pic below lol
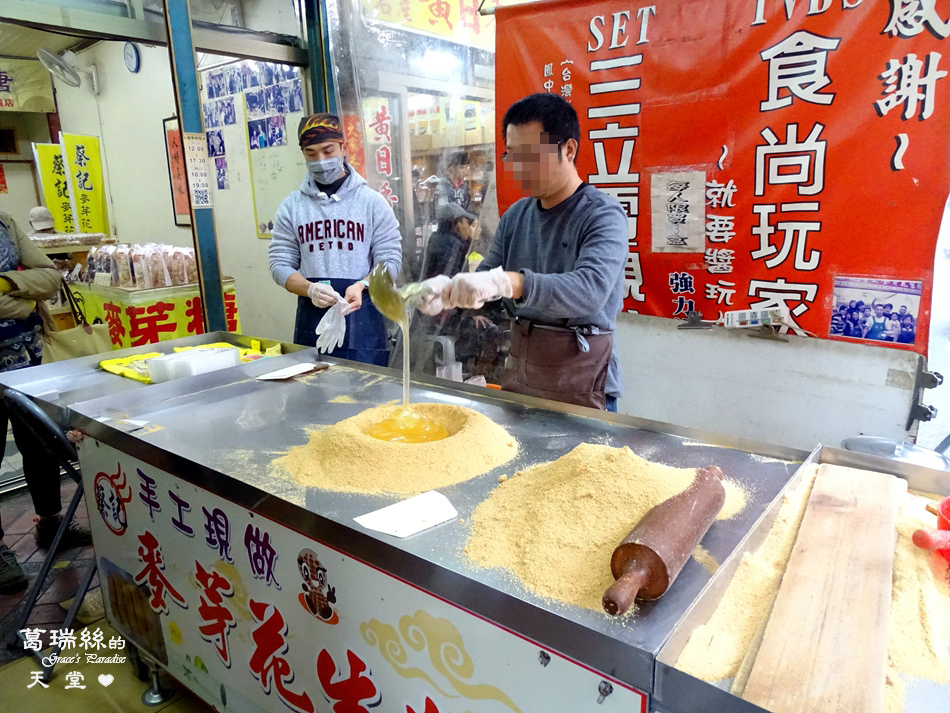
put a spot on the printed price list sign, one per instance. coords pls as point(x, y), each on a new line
point(196, 163)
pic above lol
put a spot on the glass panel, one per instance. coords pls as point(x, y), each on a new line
point(416, 89)
point(273, 16)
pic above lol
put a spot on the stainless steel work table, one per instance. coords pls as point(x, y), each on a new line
point(220, 431)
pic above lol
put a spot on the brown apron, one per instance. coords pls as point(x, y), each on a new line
point(548, 362)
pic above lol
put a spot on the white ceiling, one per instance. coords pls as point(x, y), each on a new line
point(23, 42)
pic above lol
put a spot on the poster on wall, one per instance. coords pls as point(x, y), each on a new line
point(196, 167)
point(176, 171)
point(221, 169)
point(273, 107)
point(215, 143)
point(679, 211)
point(813, 127)
point(87, 190)
point(3, 181)
point(55, 186)
point(228, 116)
point(875, 309)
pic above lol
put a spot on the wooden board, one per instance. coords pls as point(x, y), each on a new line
point(825, 646)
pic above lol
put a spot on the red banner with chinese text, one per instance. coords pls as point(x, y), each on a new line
point(768, 153)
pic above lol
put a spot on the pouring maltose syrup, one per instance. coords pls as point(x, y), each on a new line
point(404, 425)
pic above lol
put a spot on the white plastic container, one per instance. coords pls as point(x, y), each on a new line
point(191, 363)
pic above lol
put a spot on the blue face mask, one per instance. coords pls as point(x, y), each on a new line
point(325, 171)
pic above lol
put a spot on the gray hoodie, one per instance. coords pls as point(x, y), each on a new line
point(339, 236)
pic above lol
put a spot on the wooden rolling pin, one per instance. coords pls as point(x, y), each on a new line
point(932, 539)
point(652, 555)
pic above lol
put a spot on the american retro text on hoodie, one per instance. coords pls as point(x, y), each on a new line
point(334, 236)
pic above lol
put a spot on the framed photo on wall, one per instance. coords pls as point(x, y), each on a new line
point(177, 176)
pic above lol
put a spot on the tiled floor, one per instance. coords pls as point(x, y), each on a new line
point(125, 690)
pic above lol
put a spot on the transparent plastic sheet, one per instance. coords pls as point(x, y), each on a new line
point(423, 105)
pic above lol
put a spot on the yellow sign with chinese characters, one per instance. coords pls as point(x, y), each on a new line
point(457, 20)
point(25, 85)
point(139, 317)
point(55, 185)
point(86, 187)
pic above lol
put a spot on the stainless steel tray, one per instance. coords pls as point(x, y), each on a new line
point(221, 430)
point(679, 692)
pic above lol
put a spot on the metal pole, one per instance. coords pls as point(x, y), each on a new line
point(181, 51)
point(318, 48)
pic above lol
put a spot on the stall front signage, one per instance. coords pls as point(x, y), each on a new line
point(457, 20)
point(55, 184)
point(253, 616)
point(142, 319)
point(25, 85)
point(814, 135)
point(378, 147)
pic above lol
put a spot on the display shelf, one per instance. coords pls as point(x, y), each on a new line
point(70, 249)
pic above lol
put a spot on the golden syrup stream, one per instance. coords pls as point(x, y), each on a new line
point(404, 425)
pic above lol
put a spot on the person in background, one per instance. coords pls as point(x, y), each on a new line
point(41, 220)
point(838, 319)
point(908, 330)
point(875, 326)
point(449, 246)
point(857, 323)
point(327, 236)
point(27, 276)
point(893, 329)
point(558, 257)
point(453, 186)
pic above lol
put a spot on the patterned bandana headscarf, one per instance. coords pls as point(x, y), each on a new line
point(319, 128)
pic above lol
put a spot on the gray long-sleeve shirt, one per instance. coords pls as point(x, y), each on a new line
point(572, 257)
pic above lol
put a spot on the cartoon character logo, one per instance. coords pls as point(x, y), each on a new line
point(110, 499)
point(317, 596)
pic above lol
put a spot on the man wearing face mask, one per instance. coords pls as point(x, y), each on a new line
point(327, 236)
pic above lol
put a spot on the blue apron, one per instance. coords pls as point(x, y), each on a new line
point(877, 329)
point(366, 338)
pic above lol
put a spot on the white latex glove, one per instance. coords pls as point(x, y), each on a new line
point(332, 327)
point(470, 290)
point(434, 301)
point(322, 295)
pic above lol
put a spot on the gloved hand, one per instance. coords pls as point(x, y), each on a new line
point(436, 293)
point(322, 295)
point(471, 290)
point(332, 327)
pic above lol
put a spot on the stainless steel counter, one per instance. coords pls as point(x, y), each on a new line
point(220, 431)
point(676, 691)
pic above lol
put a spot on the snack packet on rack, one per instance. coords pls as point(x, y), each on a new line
point(105, 263)
point(122, 267)
point(156, 266)
point(191, 266)
point(141, 273)
point(90, 272)
point(177, 267)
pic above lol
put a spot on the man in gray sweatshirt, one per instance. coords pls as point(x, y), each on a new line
point(326, 238)
point(558, 257)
